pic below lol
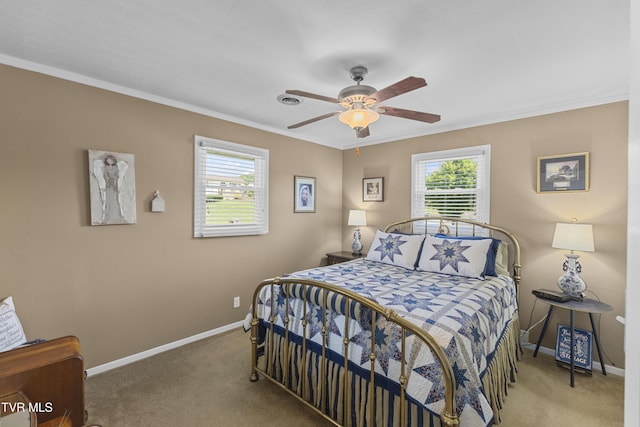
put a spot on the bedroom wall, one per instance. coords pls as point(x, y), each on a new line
point(123, 289)
point(515, 145)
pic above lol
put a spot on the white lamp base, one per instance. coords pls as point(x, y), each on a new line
point(570, 282)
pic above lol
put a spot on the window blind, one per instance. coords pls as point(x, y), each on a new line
point(453, 183)
point(231, 189)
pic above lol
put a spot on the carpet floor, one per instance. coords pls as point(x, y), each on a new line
point(206, 383)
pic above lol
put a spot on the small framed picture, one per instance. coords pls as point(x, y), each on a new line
point(567, 172)
point(304, 194)
point(372, 189)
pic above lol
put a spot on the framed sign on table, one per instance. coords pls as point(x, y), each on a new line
point(582, 347)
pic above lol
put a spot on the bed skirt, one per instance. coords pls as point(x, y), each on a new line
point(287, 370)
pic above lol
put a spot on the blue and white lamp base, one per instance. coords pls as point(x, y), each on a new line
point(356, 246)
point(570, 282)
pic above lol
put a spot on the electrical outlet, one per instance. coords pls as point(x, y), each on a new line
point(236, 302)
point(524, 337)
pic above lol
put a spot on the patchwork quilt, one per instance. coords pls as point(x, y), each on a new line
point(466, 316)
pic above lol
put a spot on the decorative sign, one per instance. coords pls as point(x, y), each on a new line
point(582, 347)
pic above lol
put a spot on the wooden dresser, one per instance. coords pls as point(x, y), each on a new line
point(51, 376)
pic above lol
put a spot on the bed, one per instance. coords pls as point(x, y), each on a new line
point(423, 331)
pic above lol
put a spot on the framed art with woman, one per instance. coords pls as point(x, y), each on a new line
point(304, 194)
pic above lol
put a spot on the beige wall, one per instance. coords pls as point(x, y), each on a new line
point(515, 145)
point(123, 289)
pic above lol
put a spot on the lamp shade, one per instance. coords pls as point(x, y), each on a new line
point(575, 237)
point(357, 217)
point(359, 117)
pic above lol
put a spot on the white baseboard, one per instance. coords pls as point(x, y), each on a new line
point(596, 365)
point(157, 350)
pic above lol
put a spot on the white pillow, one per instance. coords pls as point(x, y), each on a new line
point(11, 333)
point(454, 256)
point(395, 249)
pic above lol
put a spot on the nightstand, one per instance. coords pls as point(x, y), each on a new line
point(342, 256)
point(585, 305)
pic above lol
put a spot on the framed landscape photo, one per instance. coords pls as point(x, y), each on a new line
point(567, 172)
point(372, 189)
point(304, 194)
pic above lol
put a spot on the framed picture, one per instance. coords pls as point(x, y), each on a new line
point(372, 189)
point(112, 187)
point(304, 194)
point(567, 172)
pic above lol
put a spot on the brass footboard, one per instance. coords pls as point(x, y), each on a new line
point(449, 415)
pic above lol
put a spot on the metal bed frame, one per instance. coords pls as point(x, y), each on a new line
point(449, 418)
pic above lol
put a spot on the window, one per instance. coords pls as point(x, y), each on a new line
point(231, 189)
point(453, 183)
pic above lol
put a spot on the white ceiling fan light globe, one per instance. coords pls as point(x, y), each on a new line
point(358, 117)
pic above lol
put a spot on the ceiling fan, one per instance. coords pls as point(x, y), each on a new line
point(361, 102)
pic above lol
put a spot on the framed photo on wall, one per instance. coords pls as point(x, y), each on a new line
point(304, 194)
point(112, 187)
point(567, 172)
point(373, 189)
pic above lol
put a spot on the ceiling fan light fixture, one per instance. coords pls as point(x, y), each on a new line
point(361, 103)
point(358, 117)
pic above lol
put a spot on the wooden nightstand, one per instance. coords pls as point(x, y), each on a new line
point(342, 256)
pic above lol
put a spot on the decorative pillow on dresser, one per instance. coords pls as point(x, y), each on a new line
point(454, 256)
point(395, 249)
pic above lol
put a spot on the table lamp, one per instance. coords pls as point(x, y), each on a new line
point(357, 218)
point(574, 237)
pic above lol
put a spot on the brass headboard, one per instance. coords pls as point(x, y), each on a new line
point(463, 227)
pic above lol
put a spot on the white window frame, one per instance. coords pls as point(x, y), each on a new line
point(261, 188)
point(483, 189)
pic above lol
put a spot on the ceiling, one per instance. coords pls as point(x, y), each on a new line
point(484, 62)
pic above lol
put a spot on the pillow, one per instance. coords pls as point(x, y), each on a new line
point(395, 249)
point(490, 266)
point(502, 260)
point(454, 256)
point(11, 333)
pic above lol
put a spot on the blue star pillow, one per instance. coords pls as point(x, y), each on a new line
point(492, 253)
point(395, 249)
point(454, 256)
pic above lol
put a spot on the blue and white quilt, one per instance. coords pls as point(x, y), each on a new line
point(466, 316)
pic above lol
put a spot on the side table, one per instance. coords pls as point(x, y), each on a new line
point(342, 256)
point(585, 305)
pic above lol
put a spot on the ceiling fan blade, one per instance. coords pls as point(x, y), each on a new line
point(363, 132)
point(403, 86)
point(408, 114)
point(315, 119)
point(311, 95)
